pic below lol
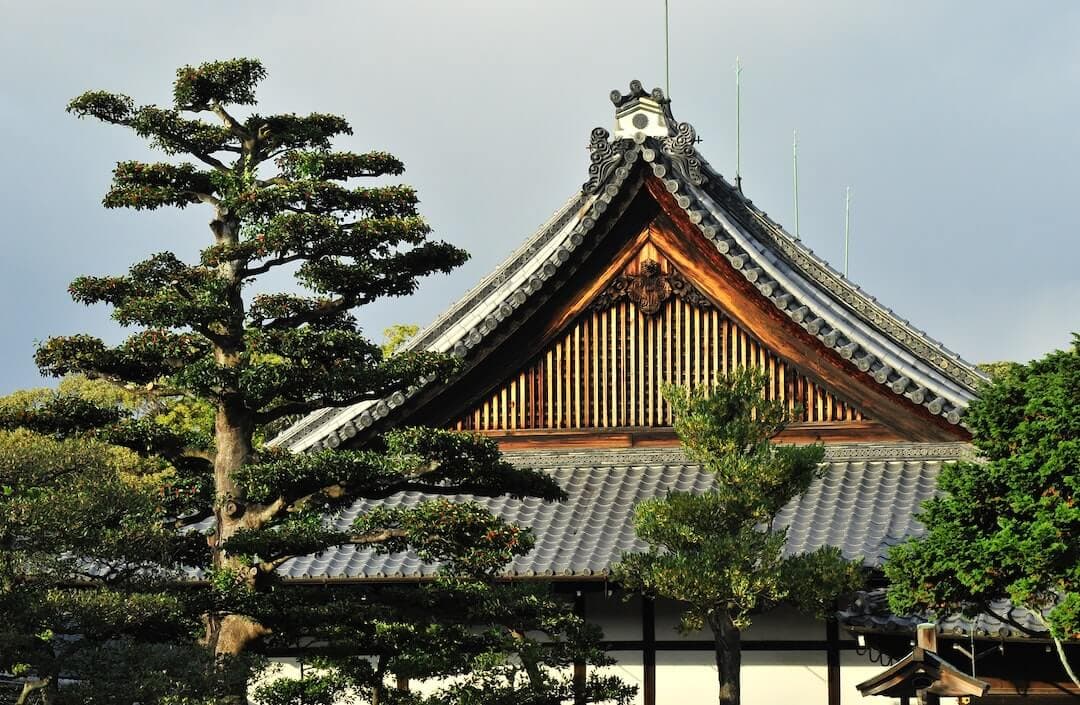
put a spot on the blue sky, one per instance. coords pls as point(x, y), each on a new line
point(954, 123)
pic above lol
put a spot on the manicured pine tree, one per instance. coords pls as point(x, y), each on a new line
point(718, 552)
point(280, 197)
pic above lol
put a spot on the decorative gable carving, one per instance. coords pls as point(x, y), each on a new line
point(649, 290)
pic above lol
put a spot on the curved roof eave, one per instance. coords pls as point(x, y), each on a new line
point(855, 326)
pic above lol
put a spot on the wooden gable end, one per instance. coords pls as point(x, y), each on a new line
point(649, 326)
point(594, 366)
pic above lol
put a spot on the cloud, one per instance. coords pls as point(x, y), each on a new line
point(953, 121)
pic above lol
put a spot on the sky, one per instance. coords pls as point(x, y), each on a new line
point(953, 123)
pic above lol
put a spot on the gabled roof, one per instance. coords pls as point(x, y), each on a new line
point(863, 505)
point(923, 671)
point(844, 318)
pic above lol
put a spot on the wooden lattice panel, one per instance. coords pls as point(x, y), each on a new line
point(607, 369)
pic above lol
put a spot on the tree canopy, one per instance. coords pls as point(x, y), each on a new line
point(86, 566)
point(1008, 525)
point(718, 552)
point(215, 364)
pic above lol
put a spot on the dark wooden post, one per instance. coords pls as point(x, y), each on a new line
point(832, 658)
point(579, 665)
point(648, 650)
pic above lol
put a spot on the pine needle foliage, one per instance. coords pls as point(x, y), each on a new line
point(718, 553)
point(219, 364)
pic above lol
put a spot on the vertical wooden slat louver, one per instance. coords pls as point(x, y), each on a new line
point(608, 370)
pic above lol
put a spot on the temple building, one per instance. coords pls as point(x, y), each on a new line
point(658, 270)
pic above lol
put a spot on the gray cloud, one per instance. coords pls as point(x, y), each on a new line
point(954, 123)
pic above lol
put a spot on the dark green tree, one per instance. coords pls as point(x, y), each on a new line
point(82, 564)
point(280, 197)
point(719, 552)
point(1007, 526)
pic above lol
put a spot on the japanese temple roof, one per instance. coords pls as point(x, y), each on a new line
point(870, 613)
point(863, 505)
point(649, 144)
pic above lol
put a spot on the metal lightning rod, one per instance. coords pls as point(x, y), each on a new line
point(738, 125)
point(667, 53)
point(847, 227)
point(795, 175)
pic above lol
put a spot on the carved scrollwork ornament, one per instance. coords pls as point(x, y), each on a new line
point(686, 291)
point(649, 289)
point(604, 158)
point(680, 150)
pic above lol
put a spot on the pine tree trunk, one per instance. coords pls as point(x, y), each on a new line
point(728, 644)
point(229, 635)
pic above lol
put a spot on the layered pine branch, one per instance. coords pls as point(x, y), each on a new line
point(228, 509)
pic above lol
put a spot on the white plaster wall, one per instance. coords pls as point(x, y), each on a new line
point(689, 677)
point(855, 669)
point(667, 622)
point(768, 678)
point(785, 623)
point(780, 678)
point(279, 668)
point(686, 677)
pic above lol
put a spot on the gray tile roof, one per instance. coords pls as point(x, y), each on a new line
point(870, 613)
point(863, 505)
point(830, 307)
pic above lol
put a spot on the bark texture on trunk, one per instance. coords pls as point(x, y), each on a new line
point(231, 635)
point(727, 640)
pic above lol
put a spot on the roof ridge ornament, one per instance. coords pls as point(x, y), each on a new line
point(637, 91)
point(640, 115)
point(680, 150)
point(604, 158)
point(642, 112)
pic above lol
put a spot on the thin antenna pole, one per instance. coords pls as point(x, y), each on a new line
point(738, 125)
point(847, 227)
point(667, 53)
point(795, 175)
